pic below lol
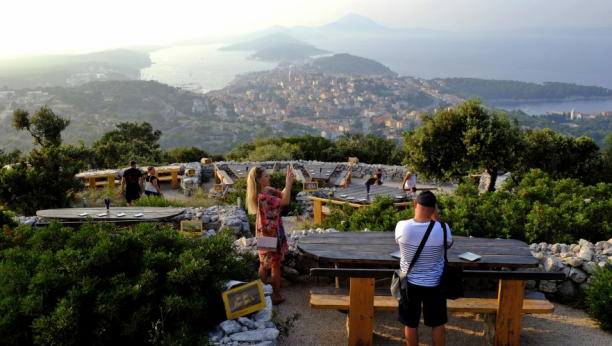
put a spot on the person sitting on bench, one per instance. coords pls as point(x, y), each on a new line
point(424, 277)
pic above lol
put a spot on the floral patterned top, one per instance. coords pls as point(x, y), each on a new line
point(270, 222)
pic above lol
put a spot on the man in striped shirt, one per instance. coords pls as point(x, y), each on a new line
point(424, 278)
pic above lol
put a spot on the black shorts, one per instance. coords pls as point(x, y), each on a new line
point(132, 195)
point(434, 307)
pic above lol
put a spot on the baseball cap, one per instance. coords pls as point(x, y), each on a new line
point(426, 199)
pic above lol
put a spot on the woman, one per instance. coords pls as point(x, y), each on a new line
point(409, 182)
point(151, 185)
point(266, 203)
point(379, 177)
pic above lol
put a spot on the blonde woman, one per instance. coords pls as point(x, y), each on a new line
point(266, 203)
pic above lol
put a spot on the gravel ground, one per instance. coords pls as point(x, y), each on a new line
point(566, 326)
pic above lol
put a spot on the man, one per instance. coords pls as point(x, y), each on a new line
point(424, 278)
point(131, 183)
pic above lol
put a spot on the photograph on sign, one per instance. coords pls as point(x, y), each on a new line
point(244, 300)
point(310, 186)
point(218, 187)
point(192, 228)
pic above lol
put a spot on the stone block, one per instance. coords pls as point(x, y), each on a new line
point(585, 253)
point(566, 289)
point(230, 327)
point(552, 264)
point(530, 284)
point(589, 267)
point(578, 275)
point(547, 286)
point(264, 314)
point(245, 322)
point(258, 335)
point(289, 273)
point(304, 263)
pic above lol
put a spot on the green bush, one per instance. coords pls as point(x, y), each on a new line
point(48, 183)
point(599, 298)
point(381, 215)
point(157, 201)
point(538, 209)
point(100, 285)
point(185, 154)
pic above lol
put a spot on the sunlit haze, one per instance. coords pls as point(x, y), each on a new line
point(73, 25)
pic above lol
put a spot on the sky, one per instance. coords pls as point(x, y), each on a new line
point(35, 26)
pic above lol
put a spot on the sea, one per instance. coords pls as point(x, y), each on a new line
point(568, 59)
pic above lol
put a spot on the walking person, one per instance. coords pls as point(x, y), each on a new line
point(131, 184)
point(424, 277)
point(266, 203)
point(152, 183)
point(379, 177)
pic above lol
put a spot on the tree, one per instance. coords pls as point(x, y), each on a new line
point(130, 141)
point(454, 142)
point(45, 126)
point(12, 157)
point(185, 154)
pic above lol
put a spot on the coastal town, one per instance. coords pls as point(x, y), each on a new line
point(330, 105)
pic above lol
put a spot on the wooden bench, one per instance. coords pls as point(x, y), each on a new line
point(221, 177)
point(105, 182)
point(344, 178)
point(503, 310)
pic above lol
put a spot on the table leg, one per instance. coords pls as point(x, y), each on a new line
point(111, 181)
point(318, 211)
point(360, 322)
point(174, 180)
point(92, 183)
point(337, 265)
point(509, 312)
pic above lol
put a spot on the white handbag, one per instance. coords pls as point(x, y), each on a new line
point(265, 243)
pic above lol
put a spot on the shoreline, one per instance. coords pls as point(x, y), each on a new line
point(574, 98)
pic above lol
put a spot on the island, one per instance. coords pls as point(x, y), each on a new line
point(352, 65)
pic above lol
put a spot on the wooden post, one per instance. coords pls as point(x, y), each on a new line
point(92, 183)
point(489, 328)
point(175, 184)
point(318, 211)
point(337, 265)
point(361, 312)
point(111, 181)
point(509, 312)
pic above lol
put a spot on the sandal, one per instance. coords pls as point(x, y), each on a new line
point(278, 301)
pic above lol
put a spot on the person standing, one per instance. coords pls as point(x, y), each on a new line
point(266, 203)
point(131, 183)
point(152, 183)
point(424, 277)
point(379, 177)
point(409, 181)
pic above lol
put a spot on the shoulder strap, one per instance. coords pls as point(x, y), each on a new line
point(421, 246)
point(444, 230)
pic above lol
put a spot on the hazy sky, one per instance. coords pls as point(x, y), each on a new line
point(51, 26)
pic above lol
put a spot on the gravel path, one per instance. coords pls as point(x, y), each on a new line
point(566, 326)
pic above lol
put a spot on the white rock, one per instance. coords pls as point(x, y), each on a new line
point(264, 314)
point(258, 335)
point(583, 243)
point(585, 253)
point(547, 286)
point(230, 327)
point(589, 267)
point(212, 232)
point(245, 322)
point(578, 275)
point(552, 264)
point(245, 241)
point(366, 230)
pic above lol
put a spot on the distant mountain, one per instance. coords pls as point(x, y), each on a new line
point(354, 21)
point(287, 52)
point(352, 65)
point(268, 41)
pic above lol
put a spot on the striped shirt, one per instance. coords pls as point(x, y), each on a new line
point(429, 266)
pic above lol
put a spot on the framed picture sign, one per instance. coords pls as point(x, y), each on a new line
point(311, 186)
point(218, 187)
point(192, 228)
point(244, 300)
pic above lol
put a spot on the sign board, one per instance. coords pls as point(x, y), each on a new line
point(353, 160)
point(192, 228)
point(244, 300)
point(311, 186)
point(190, 172)
point(206, 161)
point(218, 187)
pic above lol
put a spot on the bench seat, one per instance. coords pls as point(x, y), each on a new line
point(325, 298)
point(342, 180)
point(102, 183)
point(224, 177)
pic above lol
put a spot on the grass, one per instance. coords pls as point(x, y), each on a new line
point(95, 199)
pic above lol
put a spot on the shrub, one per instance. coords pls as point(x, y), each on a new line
point(101, 285)
point(381, 215)
point(205, 178)
point(599, 298)
point(48, 183)
point(185, 154)
point(273, 152)
point(538, 209)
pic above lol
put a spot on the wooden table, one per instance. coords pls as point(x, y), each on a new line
point(374, 248)
point(90, 178)
point(320, 172)
point(153, 214)
point(359, 193)
point(166, 173)
point(240, 170)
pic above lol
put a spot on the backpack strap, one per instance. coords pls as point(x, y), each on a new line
point(445, 246)
point(422, 245)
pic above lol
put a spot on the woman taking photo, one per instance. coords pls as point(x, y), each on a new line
point(266, 203)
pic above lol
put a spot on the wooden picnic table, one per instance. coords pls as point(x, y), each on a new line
point(152, 214)
point(90, 178)
point(375, 248)
point(358, 193)
point(320, 172)
point(166, 173)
